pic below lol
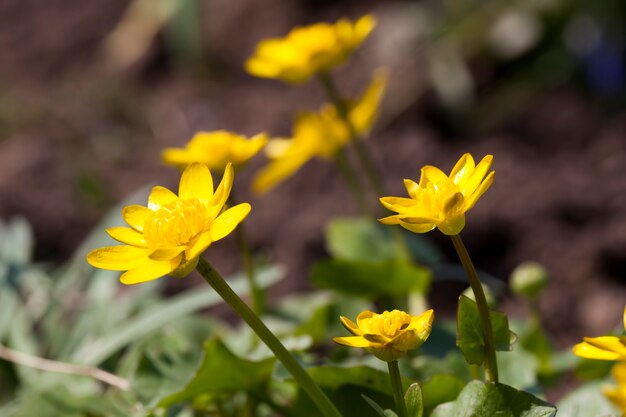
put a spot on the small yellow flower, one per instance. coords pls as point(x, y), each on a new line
point(617, 394)
point(169, 235)
point(215, 150)
point(388, 335)
point(319, 135)
point(441, 200)
point(610, 348)
point(306, 51)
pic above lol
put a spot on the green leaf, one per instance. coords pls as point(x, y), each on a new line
point(94, 351)
point(345, 387)
point(370, 279)
point(479, 399)
point(470, 338)
point(439, 389)
point(518, 369)
point(366, 239)
point(586, 401)
point(414, 400)
point(222, 372)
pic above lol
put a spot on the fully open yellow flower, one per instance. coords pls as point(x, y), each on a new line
point(169, 235)
point(319, 135)
point(308, 50)
point(617, 394)
point(441, 200)
point(388, 335)
point(215, 150)
point(610, 348)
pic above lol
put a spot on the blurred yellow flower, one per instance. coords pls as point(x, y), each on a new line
point(610, 348)
point(215, 150)
point(617, 394)
point(388, 335)
point(169, 235)
point(308, 50)
point(319, 135)
point(440, 200)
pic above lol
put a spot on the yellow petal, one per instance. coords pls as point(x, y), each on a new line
point(610, 343)
point(363, 27)
point(362, 320)
point(364, 112)
point(277, 171)
point(400, 204)
point(175, 156)
point(198, 246)
point(624, 318)
point(586, 350)
point(196, 182)
point(352, 341)
point(418, 228)
point(453, 205)
point(422, 324)
point(228, 220)
point(159, 197)
point(136, 216)
point(484, 186)
point(462, 169)
point(350, 326)
point(411, 187)
point(223, 189)
point(127, 235)
point(473, 181)
point(117, 258)
point(167, 254)
point(434, 175)
point(146, 271)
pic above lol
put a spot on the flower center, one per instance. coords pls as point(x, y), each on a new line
point(175, 224)
point(389, 323)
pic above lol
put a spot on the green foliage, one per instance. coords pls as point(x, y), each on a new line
point(480, 399)
point(470, 337)
point(414, 399)
point(366, 239)
point(221, 372)
point(369, 279)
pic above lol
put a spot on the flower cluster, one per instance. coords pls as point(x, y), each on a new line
point(168, 235)
point(389, 335)
point(309, 50)
point(441, 200)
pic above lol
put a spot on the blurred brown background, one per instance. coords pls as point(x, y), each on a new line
point(91, 91)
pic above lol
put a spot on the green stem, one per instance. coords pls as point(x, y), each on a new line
point(351, 179)
point(257, 293)
point(396, 386)
point(491, 366)
point(214, 279)
point(365, 159)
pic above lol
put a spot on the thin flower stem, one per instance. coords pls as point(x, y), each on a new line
point(352, 180)
point(36, 362)
point(491, 366)
point(396, 386)
point(257, 293)
point(215, 280)
point(363, 154)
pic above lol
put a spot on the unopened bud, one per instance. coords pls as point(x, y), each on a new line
point(529, 279)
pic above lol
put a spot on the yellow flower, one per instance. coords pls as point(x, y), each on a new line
point(319, 135)
point(617, 395)
point(441, 200)
point(169, 235)
point(610, 348)
point(215, 149)
point(308, 50)
point(388, 335)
